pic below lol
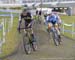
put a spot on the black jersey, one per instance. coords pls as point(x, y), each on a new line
point(27, 17)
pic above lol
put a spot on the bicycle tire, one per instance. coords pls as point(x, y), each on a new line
point(26, 45)
point(55, 37)
point(34, 46)
point(33, 43)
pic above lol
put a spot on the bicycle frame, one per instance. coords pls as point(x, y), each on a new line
point(55, 35)
point(27, 41)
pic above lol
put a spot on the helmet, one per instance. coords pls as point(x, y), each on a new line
point(26, 10)
point(48, 12)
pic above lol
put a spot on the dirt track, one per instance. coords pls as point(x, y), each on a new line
point(46, 49)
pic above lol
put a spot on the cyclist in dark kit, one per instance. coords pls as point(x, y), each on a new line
point(28, 21)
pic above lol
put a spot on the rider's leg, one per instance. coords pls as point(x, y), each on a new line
point(33, 36)
point(57, 28)
point(33, 41)
point(49, 26)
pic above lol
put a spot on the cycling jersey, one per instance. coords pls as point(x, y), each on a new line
point(28, 19)
point(52, 19)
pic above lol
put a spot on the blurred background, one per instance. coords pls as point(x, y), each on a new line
point(64, 6)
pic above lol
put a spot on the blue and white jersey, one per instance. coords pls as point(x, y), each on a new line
point(51, 18)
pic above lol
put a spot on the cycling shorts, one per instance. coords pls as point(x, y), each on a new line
point(53, 22)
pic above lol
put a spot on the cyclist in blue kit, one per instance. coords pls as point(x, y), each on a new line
point(53, 19)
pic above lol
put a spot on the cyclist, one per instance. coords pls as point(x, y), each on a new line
point(53, 19)
point(36, 16)
point(36, 12)
point(28, 21)
point(40, 13)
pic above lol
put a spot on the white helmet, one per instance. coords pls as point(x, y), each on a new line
point(48, 12)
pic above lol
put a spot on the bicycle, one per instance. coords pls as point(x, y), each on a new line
point(55, 36)
point(28, 42)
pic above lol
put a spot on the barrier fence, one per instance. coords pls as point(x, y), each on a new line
point(5, 26)
point(2, 39)
point(71, 30)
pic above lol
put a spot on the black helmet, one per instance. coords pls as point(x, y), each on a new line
point(24, 10)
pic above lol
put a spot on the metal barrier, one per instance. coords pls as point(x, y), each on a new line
point(2, 40)
point(5, 27)
point(69, 31)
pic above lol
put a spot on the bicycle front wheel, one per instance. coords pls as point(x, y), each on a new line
point(26, 44)
point(55, 37)
point(34, 46)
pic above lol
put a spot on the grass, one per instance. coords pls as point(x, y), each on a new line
point(11, 40)
point(69, 20)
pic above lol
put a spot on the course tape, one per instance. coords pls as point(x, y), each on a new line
point(8, 14)
point(15, 11)
point(5, 15)
point(5, 10)
point(69, 31)
point(67, 24)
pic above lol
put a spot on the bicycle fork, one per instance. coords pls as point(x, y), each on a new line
point(55, 37)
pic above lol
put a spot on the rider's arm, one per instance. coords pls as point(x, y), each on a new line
point(47, 18)
point(59, 20)
point(21, 17)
